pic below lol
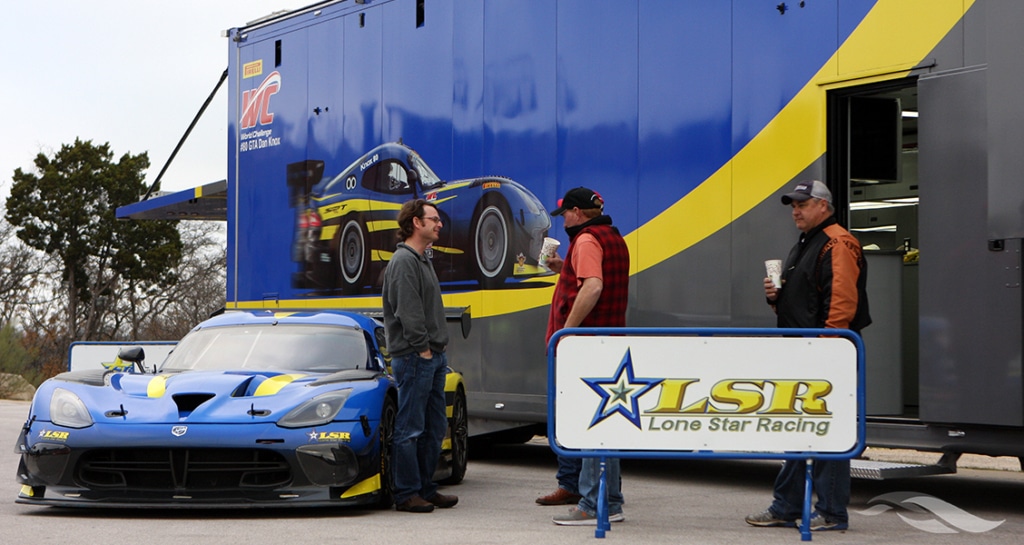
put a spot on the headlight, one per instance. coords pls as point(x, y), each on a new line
point(67, 410)
point(317, 411)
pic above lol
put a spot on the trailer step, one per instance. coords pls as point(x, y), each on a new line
point(878, 471)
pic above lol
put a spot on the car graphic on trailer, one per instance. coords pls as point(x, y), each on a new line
point(346, 226)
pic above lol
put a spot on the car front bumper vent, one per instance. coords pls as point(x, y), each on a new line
point(182, 469)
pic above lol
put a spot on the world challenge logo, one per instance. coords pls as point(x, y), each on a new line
point(256, 111)
point(745, 405)
point(256, 103)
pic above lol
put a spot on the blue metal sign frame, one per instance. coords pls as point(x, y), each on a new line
point(602, 505)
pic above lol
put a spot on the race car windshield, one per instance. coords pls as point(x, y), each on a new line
point(428, 179)
point(320, 349)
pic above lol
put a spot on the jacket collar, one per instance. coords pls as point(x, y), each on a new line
point(804, 237)
point(575, 230)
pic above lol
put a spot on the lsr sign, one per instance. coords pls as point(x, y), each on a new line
point(714, 393)
point(744, 396)
point(765, 398)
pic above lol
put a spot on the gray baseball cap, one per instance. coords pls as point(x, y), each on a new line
point(806, 190)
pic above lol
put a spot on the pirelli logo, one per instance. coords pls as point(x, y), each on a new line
point(252, 69)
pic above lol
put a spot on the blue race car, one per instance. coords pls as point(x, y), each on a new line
point(346, 225)
point(251, 409)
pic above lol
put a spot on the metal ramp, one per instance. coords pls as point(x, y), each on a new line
point(877, 470)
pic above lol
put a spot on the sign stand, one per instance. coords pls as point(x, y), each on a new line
point(805, 523)
point(649, 393)
point(603, 524)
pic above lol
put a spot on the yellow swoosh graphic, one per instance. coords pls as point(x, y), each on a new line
point(796, 136)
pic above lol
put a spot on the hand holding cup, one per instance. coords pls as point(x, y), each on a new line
point(547, 250)
point(774, 269)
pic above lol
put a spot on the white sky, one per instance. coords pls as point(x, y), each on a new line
point(129, 72)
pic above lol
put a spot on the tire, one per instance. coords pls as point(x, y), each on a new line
point(386, 435)
point(352, 254)
point(492, 244)
point(459, 431)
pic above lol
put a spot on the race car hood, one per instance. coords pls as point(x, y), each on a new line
point(232, 384)
point(207, 396)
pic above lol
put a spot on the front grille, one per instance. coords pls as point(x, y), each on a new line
point(192, 470)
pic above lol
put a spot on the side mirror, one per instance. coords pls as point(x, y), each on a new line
point(134, 354)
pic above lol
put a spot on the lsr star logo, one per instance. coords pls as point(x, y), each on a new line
point(621, 394)
point(781, 405)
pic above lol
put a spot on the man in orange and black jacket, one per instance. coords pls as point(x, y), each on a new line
point(823, 286)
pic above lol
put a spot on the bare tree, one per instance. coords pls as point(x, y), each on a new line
point(21, 269)
point(167, 312)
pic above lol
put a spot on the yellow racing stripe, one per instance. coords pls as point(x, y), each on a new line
point(273, 385)
point(157, 386)
point(381, 225)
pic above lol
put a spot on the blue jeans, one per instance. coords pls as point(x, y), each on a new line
point(569, 473)
point(831, 481)
point(590, 481)
point(420, 424)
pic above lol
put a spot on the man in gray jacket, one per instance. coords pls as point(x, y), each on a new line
point(416, 337)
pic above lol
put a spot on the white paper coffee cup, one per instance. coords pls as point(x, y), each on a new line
point(774, 269)
point(548, 249)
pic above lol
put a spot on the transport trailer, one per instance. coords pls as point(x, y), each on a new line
point(691, 119)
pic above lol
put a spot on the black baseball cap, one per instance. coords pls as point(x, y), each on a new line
point(579, 197)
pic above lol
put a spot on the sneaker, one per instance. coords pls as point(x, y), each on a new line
point(820, 524)
point(443, 501)
point(577, 517)
point(560, 496)
point(415, 504)
point(768, 519)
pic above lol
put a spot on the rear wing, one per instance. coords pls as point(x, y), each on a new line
point(86, 355)
point(460, 315)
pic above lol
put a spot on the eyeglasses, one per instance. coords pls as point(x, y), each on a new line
point(436, 219)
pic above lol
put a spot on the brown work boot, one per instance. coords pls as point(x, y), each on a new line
point(559, 497)
point(415, 504)
point(443, 501)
